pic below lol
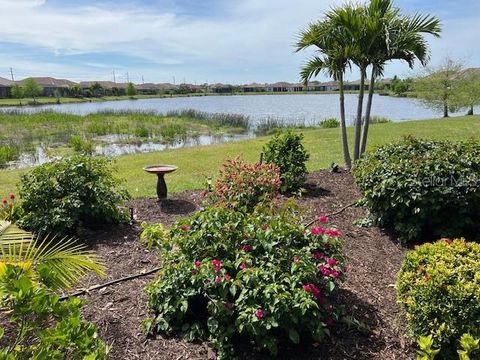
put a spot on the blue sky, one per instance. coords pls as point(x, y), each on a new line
point(236, 41)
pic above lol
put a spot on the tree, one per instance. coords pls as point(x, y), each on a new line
point(440, 87)
point(96, 88)
point(469, 89)
point(17, 92)
point(131, 91)
point(332, 47)
point(387, 35)
point(400, 86)
point(31, 88)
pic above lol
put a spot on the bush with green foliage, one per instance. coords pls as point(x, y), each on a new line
point(228, 275)
point(39, 326)
point(81, 145)
point(80, 191)
point(422, 189)
point(287, 152)
point(468, 348)
point(243, 186)
point(329, 123)
point(439, 288)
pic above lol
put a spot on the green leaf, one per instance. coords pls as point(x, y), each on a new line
point(294, 336)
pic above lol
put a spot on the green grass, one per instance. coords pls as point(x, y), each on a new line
point(196, 164)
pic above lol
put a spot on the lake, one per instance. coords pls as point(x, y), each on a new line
point(299, 108)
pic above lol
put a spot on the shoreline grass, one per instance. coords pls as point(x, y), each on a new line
point(198, 163)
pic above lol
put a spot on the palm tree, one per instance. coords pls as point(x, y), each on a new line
point(333, 59)
point(394, 37)
point(58, 263)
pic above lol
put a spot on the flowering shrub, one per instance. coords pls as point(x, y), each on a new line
point(228, 274)
point(287, 152)
point(439, 288)
point(423, 190)
point(8, 208)
point(39, 326)
point(59, 197)
point(243, 186)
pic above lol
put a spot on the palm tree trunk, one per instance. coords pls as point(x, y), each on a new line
point(358, 122)
point(366, 124)
point(343, 125)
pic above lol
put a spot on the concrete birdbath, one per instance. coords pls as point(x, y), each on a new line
point(160, 171)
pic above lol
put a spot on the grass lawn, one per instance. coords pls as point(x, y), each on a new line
point(196, 164)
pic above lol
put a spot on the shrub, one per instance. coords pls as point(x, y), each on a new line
point(468, 348)
point(439, 288)
point(287, 152)
point(228, 275)
point(423, 189)
point(8, 153)
point(78, 191)
point(39, 326)
point(81, 145)
point(9, 208)
point(243, 186)
point(329, 123)
point(379, 120)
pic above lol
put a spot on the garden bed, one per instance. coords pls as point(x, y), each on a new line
point(368, 293)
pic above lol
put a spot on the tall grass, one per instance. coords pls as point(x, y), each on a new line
point(217, 119)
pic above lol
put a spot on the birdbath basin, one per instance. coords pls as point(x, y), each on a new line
point(160, 171)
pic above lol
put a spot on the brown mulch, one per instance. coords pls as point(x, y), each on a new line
point(368, 293)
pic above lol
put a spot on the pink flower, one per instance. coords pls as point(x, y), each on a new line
point(227, 277)
point(197, 263)
point(317, 231)
point(333, 232)
point(324, 270)
point(313, 289)
point(323, 219)
point(259, 313)
point(217, 265)
point(318, 255)
point(296, 258)
point(243, 266)
point(218, 279)
point(246, 248)
point(332, 262)
point(185, 227)
point(346, 268)
point(335, 274)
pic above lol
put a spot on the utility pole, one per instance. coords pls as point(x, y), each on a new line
point(128, 78)
point(143, 81)
point(114, 79)
point(11, 73)
point(174, 80)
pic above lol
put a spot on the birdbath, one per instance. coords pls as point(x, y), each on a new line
point(160, 171)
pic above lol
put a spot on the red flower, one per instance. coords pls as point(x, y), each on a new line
point(185, 227)
point(335, 274)
point(333, 232)
point(318, 255)
point(324, 270)
point(5, 201)
point(246, 248)
point(265, 226)
point(217, 265)
point(218, 279)
point(332, 262)
point(259, 313)
point(12, 196)
point(197, 263)
point(313, 289)
point(318, 230)
point(243, 266)
point(323, 219)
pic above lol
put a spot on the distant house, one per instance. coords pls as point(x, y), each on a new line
point(253, 87)
point(283, 86)
point(108, 87)
point(5, 87)
point(51, 85)
point(331, 86)
point(221, 88)
point(147, 89)
point(355, 85)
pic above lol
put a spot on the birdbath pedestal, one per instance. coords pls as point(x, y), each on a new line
point(160, 171)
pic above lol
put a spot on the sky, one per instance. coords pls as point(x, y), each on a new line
point(193, 41)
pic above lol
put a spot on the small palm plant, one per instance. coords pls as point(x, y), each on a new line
point(56, 263)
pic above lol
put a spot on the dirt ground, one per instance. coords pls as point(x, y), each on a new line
point(368, 293)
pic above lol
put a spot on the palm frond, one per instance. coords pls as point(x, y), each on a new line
point(59, 262)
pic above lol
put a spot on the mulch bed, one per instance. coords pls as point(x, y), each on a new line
point(368, 293)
